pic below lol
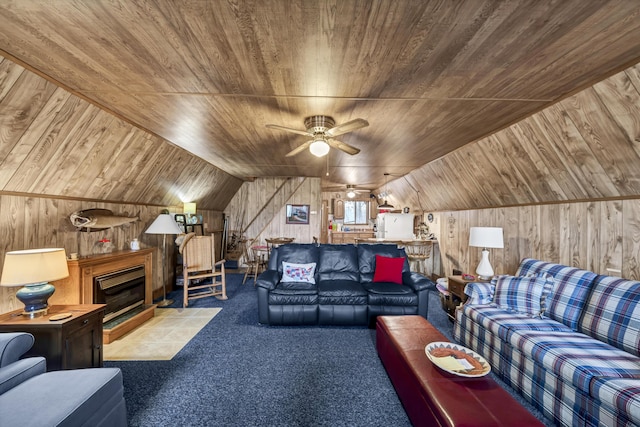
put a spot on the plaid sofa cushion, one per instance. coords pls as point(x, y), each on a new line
point(479, 293)
point(571, 289)
point(503, 322)
point(575, 357)
point(557, 399)
point(483, 293)
point(621, 395)
point(612, 313)
point(480, 339)
point(520, 294)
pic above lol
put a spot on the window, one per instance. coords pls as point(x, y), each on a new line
point(356, 212)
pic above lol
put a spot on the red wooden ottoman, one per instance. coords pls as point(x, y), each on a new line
point(432, 397)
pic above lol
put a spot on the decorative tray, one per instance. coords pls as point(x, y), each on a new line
point(456, 359)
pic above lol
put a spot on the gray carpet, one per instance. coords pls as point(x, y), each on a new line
point(236, 372)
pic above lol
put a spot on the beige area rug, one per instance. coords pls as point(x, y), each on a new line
point(161, 337)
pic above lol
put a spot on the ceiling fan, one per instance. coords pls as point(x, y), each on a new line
point(350, 190)
point(323, 129)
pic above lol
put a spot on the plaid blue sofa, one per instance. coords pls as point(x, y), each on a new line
point(577, 358)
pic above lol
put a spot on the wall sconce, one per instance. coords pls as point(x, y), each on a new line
point(485, 237)
point(34, 269)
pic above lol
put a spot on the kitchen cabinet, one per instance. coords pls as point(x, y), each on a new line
point(373, 209)
point(350, 236)
point(338, 209)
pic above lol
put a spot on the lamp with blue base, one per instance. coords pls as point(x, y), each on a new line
point(34, 269)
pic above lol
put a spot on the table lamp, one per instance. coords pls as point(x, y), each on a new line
point(33, 269)
point(164, 224)
point(485, 237)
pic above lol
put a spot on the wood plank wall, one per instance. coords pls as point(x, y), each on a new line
point(260, 206)
point(37, 222)
point(56, 144)
point(586, 147)
point(60, 154)
point(600, 236)
point(564, 184)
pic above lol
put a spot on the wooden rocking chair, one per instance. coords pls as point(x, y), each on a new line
point(200, 267)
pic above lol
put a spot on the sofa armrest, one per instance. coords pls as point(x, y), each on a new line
point(20, 371)
point(422, 286)
point(13, 345)
point(417, 281)
point(479, 293)
point(268, 279)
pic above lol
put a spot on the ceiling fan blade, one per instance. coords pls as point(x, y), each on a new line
point(347, 127)
point(299, 149)
point(343, 147)
point(298, 131)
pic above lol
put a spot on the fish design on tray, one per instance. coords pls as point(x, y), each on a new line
point(98, 219)
point(474, 366)
point(457, 359)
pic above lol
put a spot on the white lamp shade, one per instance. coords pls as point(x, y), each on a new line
point(189, 208)
point(164, 224)
point(486, 237)
point(319, 148)
point(34, 266)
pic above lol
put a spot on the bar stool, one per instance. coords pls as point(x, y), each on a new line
point(251, 261)
point(418, 251)
point(256, 257)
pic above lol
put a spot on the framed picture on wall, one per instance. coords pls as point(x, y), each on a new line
point(297, 214)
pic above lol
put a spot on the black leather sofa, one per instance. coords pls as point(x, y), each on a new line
point(344, 293)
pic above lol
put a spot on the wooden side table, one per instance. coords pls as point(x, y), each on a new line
point(71, 343)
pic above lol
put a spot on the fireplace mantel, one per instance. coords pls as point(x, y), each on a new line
point(78, 287)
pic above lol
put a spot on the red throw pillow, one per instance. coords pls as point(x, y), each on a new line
point(388, 269)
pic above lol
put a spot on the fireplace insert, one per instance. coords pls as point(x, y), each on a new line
point(122, 291)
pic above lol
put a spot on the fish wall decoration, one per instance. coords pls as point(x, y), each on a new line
point(98, 219)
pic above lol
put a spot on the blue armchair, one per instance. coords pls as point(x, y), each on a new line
point(30, 396)
point(14, 370)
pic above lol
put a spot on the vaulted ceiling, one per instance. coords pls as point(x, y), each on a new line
point(429, 76)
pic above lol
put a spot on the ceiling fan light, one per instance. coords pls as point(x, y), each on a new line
point(319, 148)
point(351, 194)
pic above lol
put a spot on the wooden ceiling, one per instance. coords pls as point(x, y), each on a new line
point(57, 145)
point(429, 76)
point(584, 148)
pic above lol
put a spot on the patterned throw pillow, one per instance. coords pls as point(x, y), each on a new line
point(298, 272)
point(549, 286)
point(520, 294)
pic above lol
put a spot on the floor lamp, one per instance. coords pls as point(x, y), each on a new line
point(164, 224)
